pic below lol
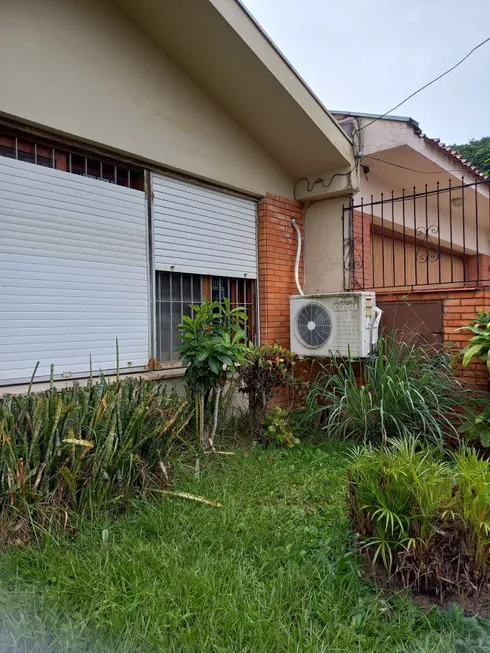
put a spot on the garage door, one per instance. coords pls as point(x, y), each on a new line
point(73, 273)
point(200, 230)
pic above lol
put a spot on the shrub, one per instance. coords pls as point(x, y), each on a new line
point(479, 344)
point(212, 347)
point(477, 429)
point(424, 517)
point(404, 391)
point(81, 448)
point(266, 369)
point(277, 430)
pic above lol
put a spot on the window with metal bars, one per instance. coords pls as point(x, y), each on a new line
point(21, 146)
point(176, 293)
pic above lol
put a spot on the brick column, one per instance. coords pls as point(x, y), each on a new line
point(478, 269)
point(277, 253)
point(460, 308)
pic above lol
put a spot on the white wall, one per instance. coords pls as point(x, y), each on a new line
point(83, 67)
point(324, 267)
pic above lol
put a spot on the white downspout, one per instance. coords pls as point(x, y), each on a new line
point(298, 256)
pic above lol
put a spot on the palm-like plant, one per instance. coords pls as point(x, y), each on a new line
point(424, 515)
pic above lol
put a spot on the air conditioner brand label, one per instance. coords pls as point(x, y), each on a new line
point(344, 304)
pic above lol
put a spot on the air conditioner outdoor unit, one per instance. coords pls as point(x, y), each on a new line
point(334, 324)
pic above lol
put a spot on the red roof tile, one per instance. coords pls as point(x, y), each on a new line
point(453, 154)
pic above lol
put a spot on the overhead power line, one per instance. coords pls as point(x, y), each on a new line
point(427, 85)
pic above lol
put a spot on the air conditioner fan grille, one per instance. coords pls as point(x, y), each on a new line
point(313, 324)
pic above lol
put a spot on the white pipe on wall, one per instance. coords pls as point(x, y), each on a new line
point(298, 256)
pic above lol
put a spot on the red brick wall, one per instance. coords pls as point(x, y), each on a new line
point(277, 253)
point(460, 306)
point(478, 267)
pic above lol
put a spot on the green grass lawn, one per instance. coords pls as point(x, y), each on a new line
point(273, 570)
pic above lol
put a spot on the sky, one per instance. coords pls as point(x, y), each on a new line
point(368, 56)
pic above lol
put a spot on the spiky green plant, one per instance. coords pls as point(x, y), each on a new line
point(402, 391)
point(424, 516)
point(472, 506)
point(84, 447)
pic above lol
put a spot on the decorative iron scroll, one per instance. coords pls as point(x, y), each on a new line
point(353, 259)
point(428, 251)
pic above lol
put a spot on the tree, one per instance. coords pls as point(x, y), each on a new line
point(477, 152)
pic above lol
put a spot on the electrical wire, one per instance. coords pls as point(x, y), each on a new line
point(311, 185)
point(428, 84)
point(320, 180)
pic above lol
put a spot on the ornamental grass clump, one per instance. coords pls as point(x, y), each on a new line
point(402, 391)
point(424, 516)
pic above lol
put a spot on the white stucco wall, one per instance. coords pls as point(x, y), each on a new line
point(324, 267)
point(82, 67)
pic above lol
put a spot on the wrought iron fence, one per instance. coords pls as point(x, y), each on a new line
point(438, 237)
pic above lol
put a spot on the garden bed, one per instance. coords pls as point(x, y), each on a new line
point(472, 604)
point(422, 518)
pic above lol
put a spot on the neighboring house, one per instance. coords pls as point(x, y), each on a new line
point(152, 155)
point(418, 230)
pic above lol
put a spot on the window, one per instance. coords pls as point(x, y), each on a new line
point(20, 146)
point(176, 293)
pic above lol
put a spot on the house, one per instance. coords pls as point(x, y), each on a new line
point(152, 155)
point(418, 230)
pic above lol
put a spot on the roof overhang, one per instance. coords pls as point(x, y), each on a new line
point(220, 46)
point(386, 132)
point(339, 115)
point(403, 167)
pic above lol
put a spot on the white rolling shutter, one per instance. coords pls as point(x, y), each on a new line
point(73, 273)
point(200, 230)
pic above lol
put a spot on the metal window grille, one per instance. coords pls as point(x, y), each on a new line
point(20, 146)
point(176, 292)
point(240, 292)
